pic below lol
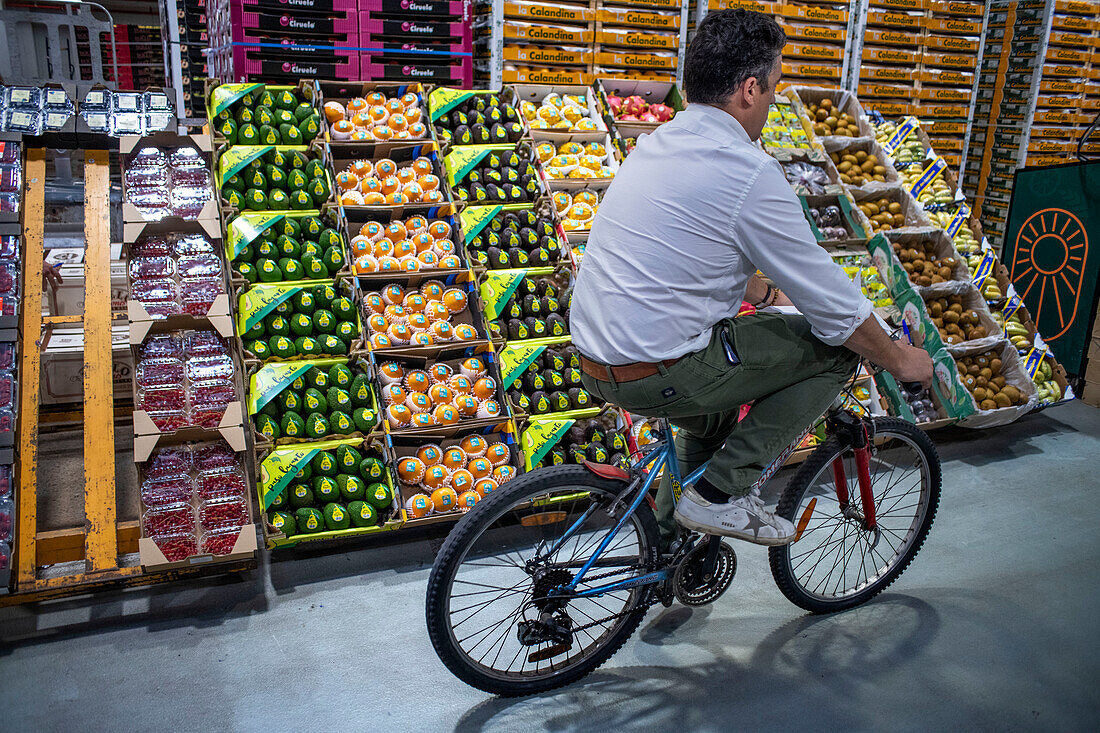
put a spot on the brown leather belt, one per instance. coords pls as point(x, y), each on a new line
point(626, 372)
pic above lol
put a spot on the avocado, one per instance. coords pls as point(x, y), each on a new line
point(332, 345)
point(310, 520)
point(317, 378)
point(371, 470)
point(379, 495)
point(268, 271)
point(314, 401)
point(324, 321)
point(324, 463)
point(365, 419)
point(267, 427)
point(301, 200)
point(291, 269)
point(362, 514)
point(248, 272)
point(325, 489)
point(259, 349)
point(340, 376)
point(316, 425)
point(360, 390)
point(351, 487)
point(308, 346)
point(255, 199)
point(338, 399)
point(300, 495)
point(283, 522)
point(292, 425)
point(341, 422)
point(281, 347)
point(301, 325)
point(343, 308)
point(346, 331)
point(333, 258)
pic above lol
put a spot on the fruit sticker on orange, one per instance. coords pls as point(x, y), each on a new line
point(934, 169)
point(901, 134)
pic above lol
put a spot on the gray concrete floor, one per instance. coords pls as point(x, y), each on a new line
point(994, 627)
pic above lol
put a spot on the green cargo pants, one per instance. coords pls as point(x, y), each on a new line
point(789, 374)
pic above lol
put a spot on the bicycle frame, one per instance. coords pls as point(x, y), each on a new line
point(665, 457)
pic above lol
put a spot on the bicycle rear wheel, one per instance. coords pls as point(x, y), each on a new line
point(836, 563)
point(494, 573)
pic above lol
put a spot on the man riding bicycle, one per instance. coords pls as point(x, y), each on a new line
point(695, 210)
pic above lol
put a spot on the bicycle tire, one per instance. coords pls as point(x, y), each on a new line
point(779, 557)
point(466, 532)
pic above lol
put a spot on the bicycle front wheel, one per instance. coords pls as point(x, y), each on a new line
point(836, 563)
point(489, 609)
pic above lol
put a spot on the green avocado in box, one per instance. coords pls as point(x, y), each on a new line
point(362, 514)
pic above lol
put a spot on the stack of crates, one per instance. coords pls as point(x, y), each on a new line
point(427, 41)
point(543, 43)
point(194, 39)
point(638, 38)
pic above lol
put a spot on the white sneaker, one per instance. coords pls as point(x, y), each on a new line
point(745, 519)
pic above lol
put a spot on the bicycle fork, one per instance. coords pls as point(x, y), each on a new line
point(856, 432)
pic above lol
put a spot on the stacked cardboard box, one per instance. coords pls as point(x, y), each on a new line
point(194, 39)
point(543, 42)
point(1068, 97)
point(1006, 79)
point(638, 38)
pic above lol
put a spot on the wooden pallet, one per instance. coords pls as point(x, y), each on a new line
point(102, 541)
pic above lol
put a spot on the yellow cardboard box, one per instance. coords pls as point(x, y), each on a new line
point(896, 19)
point(817, 71)
point(899, 4)
point(868, 72)
point(814, 33)
point(1066, 55)
point(813, 51)
point(637, 39)
point(944, 94)
point(891, 38)
point(759, 6)
point(548, 33)
point(639, 18)
point(949, 60)
point(960, 26)
point(952, 44)
point(968, 8)
point(946, 77)
point(532, 75)
point(812, 12)
point(554, 56)
point(637, 60)
point(889, 91)
point(551, 13)
point(891, 55)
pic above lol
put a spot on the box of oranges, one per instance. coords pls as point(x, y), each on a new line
point(440, 480)
point(395, 177)
point(384, 244)
point(365, 113)
point(424, 315)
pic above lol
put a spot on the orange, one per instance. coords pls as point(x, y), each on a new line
point(385, 167)
point(430, 454)
point(346, 181)
point(418, 322)
point(503, 474)
point(422, 166)
point(393, 294)
point(396, 314)
point(351, 198)
point(395, 106)
point(439, 229)
point(374, 302)
point(429, 182)
point(342, 130)
point(410, 100)
point(399, 333)
point(423, 242)
point(419, 402)
point(437, 311)
point(403, 248)
point(479, 468)
point(462, 481)
point(428, 259)
point(446, 415)
point(461, 384)
point(465, 332)
point(372, 230)
point(410, 469)
point(417, 380)
point(417, 130)
point(423, 420)
point(406, 175)
point(450, 262)
point(382, 133)
point(467, 499)
point(473, 367)
point(440, 393)
point(375, 98)
point(455, 300)
point(361, 134)
point(362, 168)
point(435, 476)
point(466, 405)
point(376, 115)
point(414, 302)
point(433, 197)
point(396, 230)
point(377, 322)
point(370, 184)
point(498, 454)
point(389, 264)
point(454, 458)
point(396, 199)
point(398, 121)
point(398, 415)
point(413, 191)
point(374, 198)
point(474, 445)
point(485, 388)
point(334, 112)
point(363, 118)
point(422, 338)
point(442, 330)
point(390, 372)
point(394, 393)
point(413, 115)
point(485, 487)
point(383, 247)
point(419, 506)
point(444, 499)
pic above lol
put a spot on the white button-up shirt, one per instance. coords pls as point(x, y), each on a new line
point(693, 212)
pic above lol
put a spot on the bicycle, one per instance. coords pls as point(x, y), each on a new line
point(547, 529)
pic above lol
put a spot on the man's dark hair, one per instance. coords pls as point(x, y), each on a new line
point(729, 47)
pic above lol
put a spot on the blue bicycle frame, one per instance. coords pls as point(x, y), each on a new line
point(663, 456)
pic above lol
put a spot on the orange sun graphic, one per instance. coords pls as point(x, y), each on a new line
point(1051, 249)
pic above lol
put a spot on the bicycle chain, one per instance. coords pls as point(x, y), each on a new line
point(645, 604)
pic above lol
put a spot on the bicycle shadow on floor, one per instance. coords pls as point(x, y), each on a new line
point(837, 654)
